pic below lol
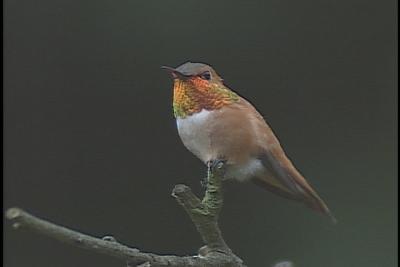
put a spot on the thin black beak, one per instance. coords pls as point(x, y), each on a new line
point(175, 74)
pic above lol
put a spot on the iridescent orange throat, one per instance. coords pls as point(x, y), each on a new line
point(195, 94)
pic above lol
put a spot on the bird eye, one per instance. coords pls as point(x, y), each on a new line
point(206, 75)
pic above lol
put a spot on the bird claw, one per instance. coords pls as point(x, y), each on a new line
point(216, 164)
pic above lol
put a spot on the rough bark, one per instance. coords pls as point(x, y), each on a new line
point(203, 213)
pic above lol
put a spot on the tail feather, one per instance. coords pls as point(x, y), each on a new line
point(309, 198)
point(319, 205)
point(281, 177)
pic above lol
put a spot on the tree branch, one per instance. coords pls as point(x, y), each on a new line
point(204, 215)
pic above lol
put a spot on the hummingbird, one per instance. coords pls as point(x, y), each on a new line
point(216, 124)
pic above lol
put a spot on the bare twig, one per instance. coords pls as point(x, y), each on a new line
point(204, 215)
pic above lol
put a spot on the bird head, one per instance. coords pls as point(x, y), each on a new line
point(197, 86)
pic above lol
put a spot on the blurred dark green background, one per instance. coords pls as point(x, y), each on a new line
point(90, 140)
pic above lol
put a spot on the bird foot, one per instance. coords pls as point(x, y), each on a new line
point(212, 166)
point(216, 164)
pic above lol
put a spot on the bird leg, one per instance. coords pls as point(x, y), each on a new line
point(212, 165)
point(216, 164)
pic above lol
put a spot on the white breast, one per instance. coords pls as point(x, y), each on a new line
point(195, 134)
point(195, 131)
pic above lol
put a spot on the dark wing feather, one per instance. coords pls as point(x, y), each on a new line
point(281, 176)
point(293, 184)
point(278, 190)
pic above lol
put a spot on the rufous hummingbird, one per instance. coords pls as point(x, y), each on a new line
point(216, 124)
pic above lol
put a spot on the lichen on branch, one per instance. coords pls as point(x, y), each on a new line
point(203, 213)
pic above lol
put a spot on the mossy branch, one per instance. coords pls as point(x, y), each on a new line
point(204, 214)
